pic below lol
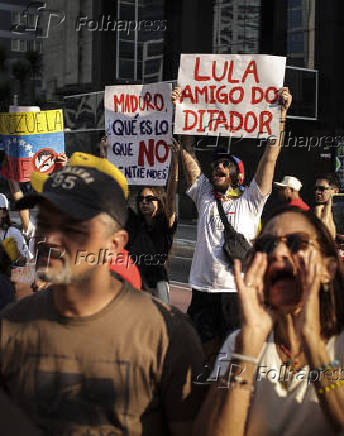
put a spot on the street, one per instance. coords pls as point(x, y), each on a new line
point(179, 265)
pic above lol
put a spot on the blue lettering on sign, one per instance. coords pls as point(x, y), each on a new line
point(122, 149)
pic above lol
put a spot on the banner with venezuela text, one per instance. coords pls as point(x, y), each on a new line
point(30, 142)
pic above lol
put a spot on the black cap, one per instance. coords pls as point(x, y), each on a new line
point(81, 192)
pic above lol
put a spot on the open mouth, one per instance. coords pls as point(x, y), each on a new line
point(219, 175)
point(278, 275)
point(283, 287)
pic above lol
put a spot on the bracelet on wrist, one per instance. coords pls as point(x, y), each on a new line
point(333, 364)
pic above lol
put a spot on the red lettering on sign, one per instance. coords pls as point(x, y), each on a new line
point(265, 122)
point(247, 116)
point(201, 91)
point(274, 94)
point(230, 72)
point(251, 69)
point(221, 77)
point(241, 94)
point(194, 114)
point(187, 93)
point(166, 149)
point(233, 114)
point(148, 153)
point(221, 119)
point(255, 90)
point(196, 72)
point(201, 113)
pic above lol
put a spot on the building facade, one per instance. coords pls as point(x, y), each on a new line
point(107, 42)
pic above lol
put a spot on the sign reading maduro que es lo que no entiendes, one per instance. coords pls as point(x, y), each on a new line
point(138, 126)
point(230, 95)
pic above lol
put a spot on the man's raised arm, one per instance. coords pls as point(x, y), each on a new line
point(266, 167)
point(191, 165)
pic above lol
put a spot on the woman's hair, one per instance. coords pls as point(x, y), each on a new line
point(158, 192)
point(331, 299)
point(5, 221)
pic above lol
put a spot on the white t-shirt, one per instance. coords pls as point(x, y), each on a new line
point(29, 234)
point(209, 270)
point(277, 410)
point(13, 232)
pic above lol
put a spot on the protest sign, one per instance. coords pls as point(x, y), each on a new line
point(30, 141)
point(229, 95)
point(138, 126)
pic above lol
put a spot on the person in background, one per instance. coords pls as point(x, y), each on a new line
point(325, 186)
point(151, 231)
point(289, 192)
point(13, 252)
point(281, 374)
point(123, 267)
point(7, 290)
point(11, 237)
point(214, 305)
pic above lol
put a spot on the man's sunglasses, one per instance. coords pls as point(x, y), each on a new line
point(147, 198)
point(294, 241)
point(322, 188)
point(226, 163)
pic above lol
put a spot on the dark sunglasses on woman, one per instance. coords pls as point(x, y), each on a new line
point(147, 198)
point(294, 241)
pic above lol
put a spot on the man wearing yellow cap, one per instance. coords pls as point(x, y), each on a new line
point(90, 355)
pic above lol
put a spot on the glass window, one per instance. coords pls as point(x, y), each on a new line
point(15, 18)
point(295, 18)
point(295, 43)
point(19, 45)
point(236, 26)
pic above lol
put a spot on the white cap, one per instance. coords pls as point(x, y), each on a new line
point(290, 182)
point(3, 202)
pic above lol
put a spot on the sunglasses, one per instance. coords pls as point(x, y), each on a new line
point(294, 241)
point(322, 188)
point(148, 198)
point(226, 163)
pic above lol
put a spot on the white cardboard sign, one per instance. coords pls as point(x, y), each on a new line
point(229, 95)
point(138, 125)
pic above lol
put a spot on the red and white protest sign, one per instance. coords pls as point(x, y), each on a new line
point(229, 94)
point(138, 126)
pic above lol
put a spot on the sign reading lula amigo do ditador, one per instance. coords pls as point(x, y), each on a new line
point(229, 95)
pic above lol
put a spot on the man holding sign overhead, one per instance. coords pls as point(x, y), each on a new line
point(231, 95)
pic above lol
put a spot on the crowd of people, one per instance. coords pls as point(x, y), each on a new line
point(98, 349)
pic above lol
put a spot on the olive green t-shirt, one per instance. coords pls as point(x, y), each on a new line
point(127, 370)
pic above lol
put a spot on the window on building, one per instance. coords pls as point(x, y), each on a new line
point(301, 37)
point(37, 46)
point(236, 26)
point(19, 45)
point(139, 51)
point(32, 21)
point(18, 18)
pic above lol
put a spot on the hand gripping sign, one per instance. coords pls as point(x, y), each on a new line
point(231, 95)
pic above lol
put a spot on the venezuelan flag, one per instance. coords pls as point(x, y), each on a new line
point(30, 142)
